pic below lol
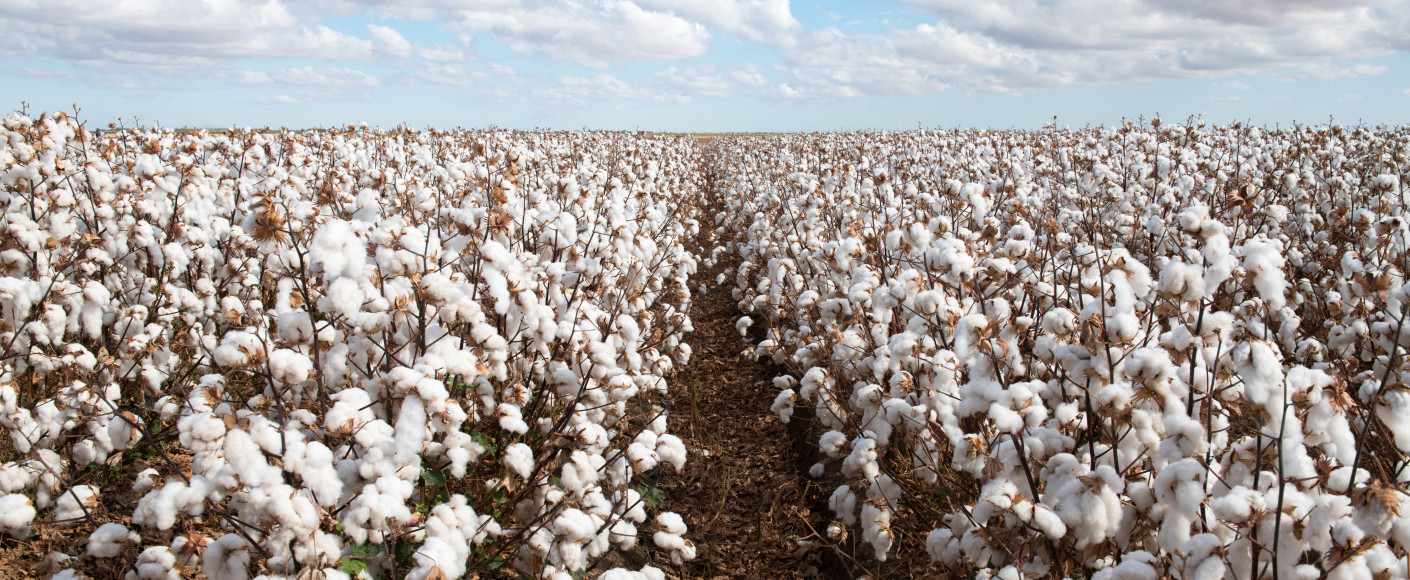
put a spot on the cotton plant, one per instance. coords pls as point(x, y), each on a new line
point(359, 337)
point(1165, 349)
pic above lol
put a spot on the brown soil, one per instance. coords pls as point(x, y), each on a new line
point(742, 494)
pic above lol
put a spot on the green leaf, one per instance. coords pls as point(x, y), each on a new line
point(366, 550)
point(652, 496)
point(555, 482)
point(404, 550)
point(433, 477)
point(351, 566)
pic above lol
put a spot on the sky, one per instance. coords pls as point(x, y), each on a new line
point(706, 65)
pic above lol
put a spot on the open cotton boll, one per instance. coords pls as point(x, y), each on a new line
point(671, 450)
point(831, 443)
point(670, 537)
point(1263, 258)
point(337, 250)
point(16, 513)
point(783, 405)
point(843, 503)
point(76, 502)
point(290, 367)
point(145, 480)
point(862, 460)
point(646, 573)
point(1137, 565)
point(227, 558)
point(511, 419)
point(519, 459)
point(296, 328)
point(155, 563)
point(238, 349)
point(110, 539)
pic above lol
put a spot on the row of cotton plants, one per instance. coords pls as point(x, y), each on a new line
point(1133, 352)
point(351, 352)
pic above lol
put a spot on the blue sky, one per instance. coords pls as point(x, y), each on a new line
point(707, 65)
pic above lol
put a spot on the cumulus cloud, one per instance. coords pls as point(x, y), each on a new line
point(704, 80)
point(1018, 45)
point(167, 33)
point(1234, 85)
point(389, 40)
point(579, 91)
point(310, 76)
point(442, 52)
point(766, 21)
point(1005, 46)
point(1330, 72)
point(437, 73)
point(594, 35)
point(749, 76)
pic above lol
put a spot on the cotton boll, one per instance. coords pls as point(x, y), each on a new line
point(843, 503)
point(1137, 565)
point(16, 513)
point(743, 325)
point(669, 537)
point(642, 454)
point(519, 459)
point(337, 250)
point(227, 558)
point(110, 539)
point(671, 450)
point(783, 405)
point(155, 563)
point(290, 367)
point(510, 419)
point(145, 480)
point(76, 502)
point(831, 443)
point(296, 328)
point(862, 460)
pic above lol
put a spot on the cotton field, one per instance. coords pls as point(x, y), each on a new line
point(1152, 350)
point(354, 352)
point(1136, 352)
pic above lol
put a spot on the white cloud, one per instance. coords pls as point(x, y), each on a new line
point(282, 100)
point(389, 40)
point(310, 76)
point(765, 21)
point(1233, 85)
point(1330, 72)
point(749, 75)
point(1349, 97)
point(704, 80)
point(441, 53)
point(41, 73)
point(435, 73)
point(167, 33)
point(579, 91)
point(594, 36)
point(1018, 45)
point(1226, 98)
